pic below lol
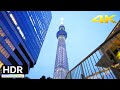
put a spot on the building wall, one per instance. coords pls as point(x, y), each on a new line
point(22, 34)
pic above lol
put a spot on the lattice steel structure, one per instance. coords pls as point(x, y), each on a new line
point(61, 63)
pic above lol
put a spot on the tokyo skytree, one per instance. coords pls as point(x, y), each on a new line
point(61, 63)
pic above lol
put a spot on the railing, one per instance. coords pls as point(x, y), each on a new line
point(102, 63)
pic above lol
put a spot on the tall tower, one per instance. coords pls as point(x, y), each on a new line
point(61, 63)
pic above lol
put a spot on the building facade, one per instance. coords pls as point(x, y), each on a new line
point(112, 50)
point(22, 34)
point(103, 62)
point(61, 62)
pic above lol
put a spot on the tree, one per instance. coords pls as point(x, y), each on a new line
point(43, 77)
point(26, 78)
point(49, 78)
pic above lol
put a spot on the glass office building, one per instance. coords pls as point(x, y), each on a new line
point(103, 62)
point(22, 34)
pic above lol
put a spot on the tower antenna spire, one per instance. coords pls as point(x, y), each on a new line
point(62, 19)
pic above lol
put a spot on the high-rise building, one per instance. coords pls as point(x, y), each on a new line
point(22, 34)
point(61, 63)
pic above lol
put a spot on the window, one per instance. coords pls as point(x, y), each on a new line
point(15, 22)
point(27, 56)
point(20, 31)
point(13, 19)
point(1, 64)
point(118, 55)
point(12, 61)
point(31, 20)
point(22, 60)
point(4, 52)
point(2, 34)
point(0, 47)
point(10, 44)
